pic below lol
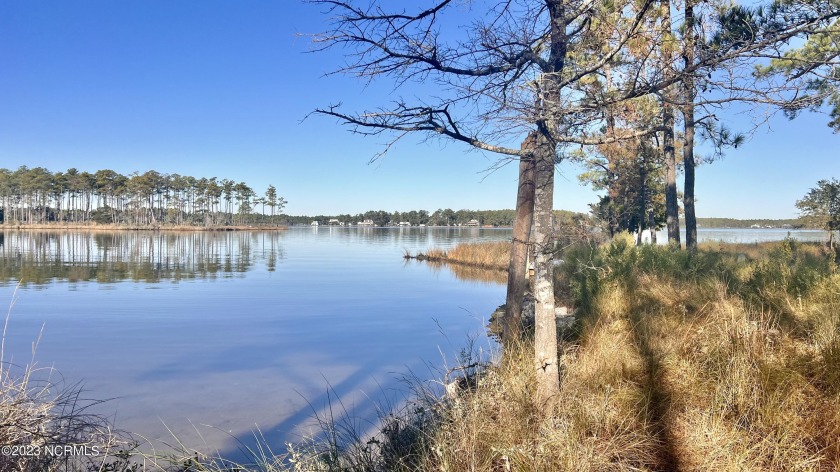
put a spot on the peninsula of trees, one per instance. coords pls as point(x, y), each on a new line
point(36, 195)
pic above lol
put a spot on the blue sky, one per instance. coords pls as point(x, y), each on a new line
point(221, 88)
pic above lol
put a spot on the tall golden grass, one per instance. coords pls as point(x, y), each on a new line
point(727, 359)
point(487, 255)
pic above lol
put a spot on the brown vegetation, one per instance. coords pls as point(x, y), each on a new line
point(487, 255)
point(726, 359)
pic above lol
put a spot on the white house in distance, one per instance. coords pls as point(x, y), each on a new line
point(365, 223)
point(314, 223)
point(405, 223)
point(473, 223)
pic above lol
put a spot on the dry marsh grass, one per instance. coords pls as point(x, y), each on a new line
point(488, 255)
point(47, 425)
point(727, 359)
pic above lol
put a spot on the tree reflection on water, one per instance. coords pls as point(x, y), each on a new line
point(38, 258)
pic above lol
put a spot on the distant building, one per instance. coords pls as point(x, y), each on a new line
point(473, 223)
point(314, 223)
point(366, 223)
point(334, 222)
point(405, 223)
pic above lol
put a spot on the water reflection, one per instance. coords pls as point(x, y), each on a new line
point(38, 258)
point(256, 327)
point(467, 273)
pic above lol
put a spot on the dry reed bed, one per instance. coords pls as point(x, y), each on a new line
point(487, 255)
point(46, 426)
point(715, 361)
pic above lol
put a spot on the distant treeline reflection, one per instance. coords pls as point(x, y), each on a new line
point(468, 273)
point(41, 257)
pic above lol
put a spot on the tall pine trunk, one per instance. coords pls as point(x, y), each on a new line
point(672, 212)
point(688, 117)
point(517, 269)
point(642, 197)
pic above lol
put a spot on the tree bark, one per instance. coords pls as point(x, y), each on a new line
point(652, 226)
point(688, 192)
point(672, 212)
point(550, 107)
point(517, 269)
point(545, 330)
point(643, 197)
point(688, 117)
point(612, 187)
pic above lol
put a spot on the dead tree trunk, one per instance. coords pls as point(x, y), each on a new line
point(518, 270)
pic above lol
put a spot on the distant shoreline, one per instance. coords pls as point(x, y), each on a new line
point(116, 227)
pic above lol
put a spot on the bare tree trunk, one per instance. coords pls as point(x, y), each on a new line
point(518, 270)
point(688, 117)
point(688, 193)
point(612, 185)
point(672, 212)
point(545, 330)
point(642, 198)
point(652, 226)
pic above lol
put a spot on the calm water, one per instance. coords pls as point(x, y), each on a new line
point(238, 330)
point(736, 235)
point(245, 330)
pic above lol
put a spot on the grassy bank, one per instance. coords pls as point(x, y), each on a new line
point(726, 359)
point(46, 426)
point(485, 255)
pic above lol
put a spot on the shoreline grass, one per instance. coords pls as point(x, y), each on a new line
point(493, 255)
point(723, 359)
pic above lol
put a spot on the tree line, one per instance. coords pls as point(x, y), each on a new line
point(36, 195)
point(440, 217)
